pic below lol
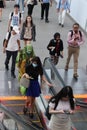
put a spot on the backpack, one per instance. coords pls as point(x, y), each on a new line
point(19, 16)
point(80, 33)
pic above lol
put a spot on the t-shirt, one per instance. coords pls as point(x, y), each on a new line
point(62, 105)
point(14, 19)
point(12, 43)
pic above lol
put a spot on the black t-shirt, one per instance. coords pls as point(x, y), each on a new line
point(34, 72)
point(58, 47)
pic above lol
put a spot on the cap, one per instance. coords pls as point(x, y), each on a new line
point(16, 29)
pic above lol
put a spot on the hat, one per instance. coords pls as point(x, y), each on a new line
point(16, 29)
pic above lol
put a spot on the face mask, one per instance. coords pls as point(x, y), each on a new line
point(34, 65)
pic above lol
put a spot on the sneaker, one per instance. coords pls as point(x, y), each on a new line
point(22, 12)
point(66, 68)
point(13, 75)
point(59, 24)
point(25, 109)
point(75, 76)
point(62, 25)
point(47, 21)
point(31, 115)
point(41, 18)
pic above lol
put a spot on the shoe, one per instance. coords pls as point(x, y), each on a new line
point(75, 76)
point(13, 75)
point(41, 18)
point(25, 109)
point(22, 12)
point(31, 115)
point(59, 24)
point(6, 67)
point(62, 25)
point(47, 21)
point(66, 68)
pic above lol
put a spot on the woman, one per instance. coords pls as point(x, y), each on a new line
point(28, 32)
point(2, 5)
point(30, 5)
point(34, 70)
point(61, 106)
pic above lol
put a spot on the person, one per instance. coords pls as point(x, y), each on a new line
point(2, 5)
point(18, 2)
point(30, 5)
point(14, 18)
point(45, 8)
point(75, 38)
point(34, 70)
point(62, 7)
point(28, 31)
point(55, 48)
point(60, 107)
point(12, 48)
point(23, 58)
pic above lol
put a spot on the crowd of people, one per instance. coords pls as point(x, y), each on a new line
point(29, 64)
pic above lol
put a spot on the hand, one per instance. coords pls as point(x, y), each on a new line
point(52, 48)
point(72, 111)
point(60, 111)
point(58, 10)
point(49, 84)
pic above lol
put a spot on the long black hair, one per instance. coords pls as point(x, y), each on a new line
point(38, 61)
point(64, 92)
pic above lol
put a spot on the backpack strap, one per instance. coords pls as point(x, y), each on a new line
point(12, 15)
point(80, 33)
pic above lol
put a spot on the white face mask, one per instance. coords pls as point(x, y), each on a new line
point(34, 64)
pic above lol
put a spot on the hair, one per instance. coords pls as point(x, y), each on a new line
point(56, 35)
point(16, 6)
point(76, 24)
point(38, 61)
point(64, 92)
point(26, 21)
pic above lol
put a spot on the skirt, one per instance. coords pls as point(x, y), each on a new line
point(60, 122)
point(34, 89)
point(1, 4)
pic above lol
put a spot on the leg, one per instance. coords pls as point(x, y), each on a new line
point(46, 11)
point(63, 17)
point(8, 56)
point(42, 11)
point(60, 17)
point(14, 55)
point(30, 9)
point(75, 56)
point(70, 52)
point(22, 5)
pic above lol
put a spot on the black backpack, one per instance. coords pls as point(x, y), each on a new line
point(80, 33)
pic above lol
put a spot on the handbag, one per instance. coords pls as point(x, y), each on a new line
point(24, 82)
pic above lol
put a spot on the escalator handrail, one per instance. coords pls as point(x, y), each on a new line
point(60, 78)
point(18, 119)
point(55, 70)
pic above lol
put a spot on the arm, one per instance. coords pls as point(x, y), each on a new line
point(45, 80)
point(52, 111)
point(80, 42)
point(9, 22)
point(19, 47)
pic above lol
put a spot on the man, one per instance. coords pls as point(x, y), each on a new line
point(45, 8)
point(55, 48)
point(75, 39)
point(14, 18)
point(12, 47)
point(62, 7)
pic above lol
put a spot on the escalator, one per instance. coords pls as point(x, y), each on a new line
point(79, 119)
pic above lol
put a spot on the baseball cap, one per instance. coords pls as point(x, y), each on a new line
point(16, 29)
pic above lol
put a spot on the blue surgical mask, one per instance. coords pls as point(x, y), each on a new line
point(34, 64)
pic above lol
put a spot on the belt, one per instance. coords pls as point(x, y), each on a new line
point(74, 46)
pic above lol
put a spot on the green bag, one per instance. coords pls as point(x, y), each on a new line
point(22, 90)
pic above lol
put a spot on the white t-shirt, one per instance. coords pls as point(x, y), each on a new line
point(12, 43)
point(14, 19)
point(62, 105)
